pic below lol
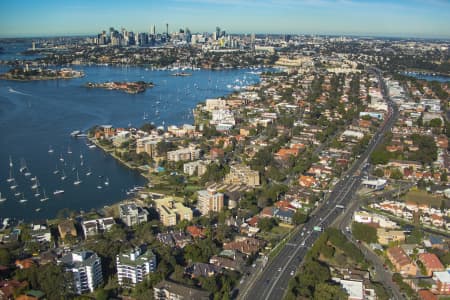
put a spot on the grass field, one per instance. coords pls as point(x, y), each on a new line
point(422, 197)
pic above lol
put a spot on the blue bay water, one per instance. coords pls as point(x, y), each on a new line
point(37, 115)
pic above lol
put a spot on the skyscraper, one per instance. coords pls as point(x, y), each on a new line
point(153, 30)
point(217, 32)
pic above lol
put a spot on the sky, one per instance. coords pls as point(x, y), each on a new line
point(400, 18)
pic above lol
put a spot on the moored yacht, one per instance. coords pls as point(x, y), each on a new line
point(57, 192)
point(45, 198)
point(78, 181)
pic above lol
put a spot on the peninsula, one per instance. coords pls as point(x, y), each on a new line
point(128, 87)
point(27, 74)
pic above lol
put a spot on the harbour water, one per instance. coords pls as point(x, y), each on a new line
point(36, 116)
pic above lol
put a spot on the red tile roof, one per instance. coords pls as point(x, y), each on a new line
point(427, 295)
point(431, 261)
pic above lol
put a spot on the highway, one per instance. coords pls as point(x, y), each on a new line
point(272, 282)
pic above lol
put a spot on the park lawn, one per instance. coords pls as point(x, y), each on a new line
point(275, 234)
point(422, 197)
point(192, 188)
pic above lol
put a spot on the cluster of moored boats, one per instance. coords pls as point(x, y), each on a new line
point(35, 185)
point(61, 170)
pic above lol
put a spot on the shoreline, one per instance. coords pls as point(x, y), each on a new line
point(3, 77)
point(118, 159)
point(145, 173)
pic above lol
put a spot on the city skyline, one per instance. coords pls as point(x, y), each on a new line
point(417, 18)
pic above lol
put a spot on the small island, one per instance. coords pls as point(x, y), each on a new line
point(27, 74)
point(128, 87)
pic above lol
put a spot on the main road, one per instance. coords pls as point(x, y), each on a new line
point(272, 282)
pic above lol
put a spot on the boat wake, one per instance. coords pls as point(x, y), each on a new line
point(11, 90)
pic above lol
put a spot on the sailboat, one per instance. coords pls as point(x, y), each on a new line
point(23, 200)
point(69, 151)
point(78, 181)
point(56, 170)
point(145, 117)
point(33, 178)
point(107, 181)
point(35, 185)
point(23, 165)
point(45, 197)
point(57, 192)
point(89, 172)
point(14, 185)
point(61, 159)
point(11, 178)
point(2, 199)
point(50, 149)
point(37, 193)
point(27, 174)
point(17, 194)
point(63, 177)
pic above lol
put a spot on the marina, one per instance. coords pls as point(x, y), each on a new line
point(53, 147)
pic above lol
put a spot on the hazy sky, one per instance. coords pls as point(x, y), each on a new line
point(421, 18)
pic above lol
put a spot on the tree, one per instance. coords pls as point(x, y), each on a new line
point(396, 174)
point(364, 232)
point(379, 157)
point(5, 257)
point(378, 172)
point(436, 123)
point(299, 217)
point(147, 127)
point(324, 291)
point(266, 224)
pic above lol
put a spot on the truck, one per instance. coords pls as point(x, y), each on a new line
point(340, 206)
point(317, 228)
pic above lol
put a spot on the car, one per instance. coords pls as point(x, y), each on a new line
point(279, 269)
point(302, 244)
point(292, 273)
point(254, 265)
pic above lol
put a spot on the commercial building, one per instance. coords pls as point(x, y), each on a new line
point(134, 265)
point(131, 214)
point(86, 269)
point(210, 200)
point(172, 211)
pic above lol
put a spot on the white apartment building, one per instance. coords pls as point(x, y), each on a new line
point(86, 268)
point(133, 266)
